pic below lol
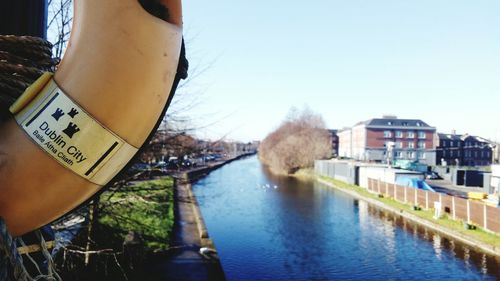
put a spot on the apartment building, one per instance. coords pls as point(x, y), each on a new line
point(464, 150)
point(387, 139)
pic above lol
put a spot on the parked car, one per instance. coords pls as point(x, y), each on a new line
point(197, 161)
point(186, 164)
point(173, 164)
point(209, 158)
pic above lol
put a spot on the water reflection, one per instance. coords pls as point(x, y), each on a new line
point(487, 264)
point(308, 231)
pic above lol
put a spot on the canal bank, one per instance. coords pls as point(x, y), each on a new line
point(184, 261)
point(269, 227)
point(405, 213)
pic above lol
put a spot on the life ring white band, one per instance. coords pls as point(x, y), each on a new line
point(63, 129)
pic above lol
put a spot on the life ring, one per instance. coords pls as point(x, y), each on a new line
point(118, 68)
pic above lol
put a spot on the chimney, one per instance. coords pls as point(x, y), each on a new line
point(389, 116)
point(453, 132)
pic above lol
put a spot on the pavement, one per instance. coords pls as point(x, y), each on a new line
point(445, 186)
point(184, 261)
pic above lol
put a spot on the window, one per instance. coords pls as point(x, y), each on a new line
point(411, 154)
point(421, 144)
point(411, 144)
point(451, 153)
point(482, 154)
point(419, 124)
point(387, 134)
point(458, 153)
point(399, 134)
point(411, 135)
point(399, 144)
point(421, 155)
point(398, 154)
point(475, 154)
point(405, 123)
point(389, 123)
point(452, 144)
point(421, 135)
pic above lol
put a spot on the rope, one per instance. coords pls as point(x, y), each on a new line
point(22, 60)
point(10, 260)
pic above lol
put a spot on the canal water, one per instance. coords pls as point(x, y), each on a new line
point(278, 228)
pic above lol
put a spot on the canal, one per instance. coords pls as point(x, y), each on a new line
point(277, 228)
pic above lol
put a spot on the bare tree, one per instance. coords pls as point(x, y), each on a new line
point(299, 140)
point(60, 19)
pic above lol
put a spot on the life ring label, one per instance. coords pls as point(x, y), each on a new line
point(64, 130)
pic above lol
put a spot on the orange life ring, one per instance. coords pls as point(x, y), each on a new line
point(118, 69)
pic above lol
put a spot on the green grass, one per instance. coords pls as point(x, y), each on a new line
point(146, 208)
point(455, 225)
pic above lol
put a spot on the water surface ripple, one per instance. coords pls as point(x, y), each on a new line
point(277, 228)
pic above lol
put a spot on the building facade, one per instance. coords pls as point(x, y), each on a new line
point(387, 139)
point(464, 150)
point(335, 142)
point(496, 153)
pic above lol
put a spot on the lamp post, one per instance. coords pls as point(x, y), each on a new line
point(24, 17)
point(390, 150)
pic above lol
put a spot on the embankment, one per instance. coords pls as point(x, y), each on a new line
point(407, 214)
point(185, 260)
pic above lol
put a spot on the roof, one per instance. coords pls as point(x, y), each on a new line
point(477, 138)
point(397, 122)
point(450, 137)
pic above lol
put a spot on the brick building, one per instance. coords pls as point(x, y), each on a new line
point(389, 138)
point(464, 150)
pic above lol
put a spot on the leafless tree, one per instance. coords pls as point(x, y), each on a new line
point(60, 19)
point(295, 144)
point(171, 136)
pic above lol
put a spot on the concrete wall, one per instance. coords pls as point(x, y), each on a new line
point(472, 178)
point(384, 174)
point(339, 170)
point(358, 173)
point(487, 183)
point(495, 178)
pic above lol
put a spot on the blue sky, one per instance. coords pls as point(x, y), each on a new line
point(351, 60)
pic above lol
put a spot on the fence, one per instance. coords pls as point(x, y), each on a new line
point(471, 211)
point(338, 170)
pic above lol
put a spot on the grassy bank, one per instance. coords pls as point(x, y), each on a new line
point(145, 207)
point(453, 225)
